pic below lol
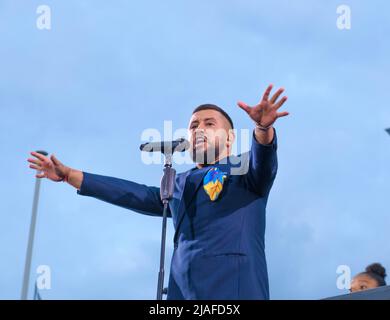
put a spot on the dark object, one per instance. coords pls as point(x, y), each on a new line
point(166, 147)
point(42, 152)
point(380, 293)
point(166, 193)
point(37, 296)
point(388, 130)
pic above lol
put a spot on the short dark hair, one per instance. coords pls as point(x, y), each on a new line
point(209, 106)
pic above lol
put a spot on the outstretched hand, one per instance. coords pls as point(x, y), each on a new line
point(50, 168)
point(266, 112)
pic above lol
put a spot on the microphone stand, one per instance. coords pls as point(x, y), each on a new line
point(166, 193)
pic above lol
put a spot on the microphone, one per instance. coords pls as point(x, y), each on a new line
point(166, 147)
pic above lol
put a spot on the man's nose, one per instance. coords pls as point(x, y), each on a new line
point(199, 131)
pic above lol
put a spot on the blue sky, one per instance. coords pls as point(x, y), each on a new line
point(86, 89)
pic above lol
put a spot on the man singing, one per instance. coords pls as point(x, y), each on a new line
point(218, 215)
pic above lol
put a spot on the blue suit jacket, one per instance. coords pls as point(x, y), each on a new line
point(218, 245)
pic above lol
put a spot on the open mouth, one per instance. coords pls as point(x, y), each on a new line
point(199, 141)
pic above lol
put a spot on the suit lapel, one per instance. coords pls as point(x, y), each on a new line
point(192, 183)
point(193, 179)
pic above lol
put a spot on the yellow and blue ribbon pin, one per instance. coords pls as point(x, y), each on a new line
point(213, 182)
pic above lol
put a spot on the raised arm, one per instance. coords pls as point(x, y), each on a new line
point(52, 169)
point(263, 159)
point(127, 194)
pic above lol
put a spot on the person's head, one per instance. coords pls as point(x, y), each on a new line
point(373, 277)
point(211, 134)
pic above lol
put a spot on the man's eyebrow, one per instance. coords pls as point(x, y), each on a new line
point(205, 119)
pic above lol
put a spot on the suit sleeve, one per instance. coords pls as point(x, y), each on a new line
point(127, 194)
point(263, 165)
